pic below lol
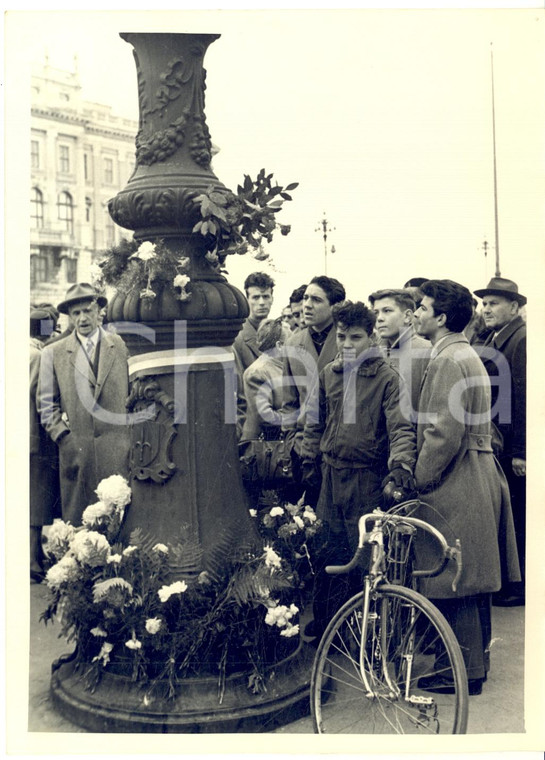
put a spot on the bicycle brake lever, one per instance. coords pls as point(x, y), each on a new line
point(455, 553)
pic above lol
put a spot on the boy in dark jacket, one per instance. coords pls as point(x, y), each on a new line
point(362, 443)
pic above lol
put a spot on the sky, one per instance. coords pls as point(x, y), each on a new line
point(383, 117)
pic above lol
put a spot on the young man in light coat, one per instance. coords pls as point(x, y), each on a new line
point(458, 475)
point(83, 388)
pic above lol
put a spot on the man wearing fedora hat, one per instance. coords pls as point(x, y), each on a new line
point(501, 313)
point(83, 387)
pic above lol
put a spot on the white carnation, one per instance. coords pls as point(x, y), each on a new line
point(58, 538)
point(94, 514)
point(153, 625)
point(165, 592)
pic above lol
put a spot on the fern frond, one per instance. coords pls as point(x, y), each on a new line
point(101, 590)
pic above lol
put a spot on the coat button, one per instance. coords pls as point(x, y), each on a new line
point(480, 441)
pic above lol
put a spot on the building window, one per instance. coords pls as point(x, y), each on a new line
point(66, 211)
point(36, 209)
point(71, 270)
point(108, 171)
point(110, 230)
point(64, 159)
point(86, 167)
point(34, 154)
point(88, 207)
point(39, 270)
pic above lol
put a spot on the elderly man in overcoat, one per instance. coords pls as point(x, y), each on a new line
point(457, 474)
point(507, 341)
point(83, 388)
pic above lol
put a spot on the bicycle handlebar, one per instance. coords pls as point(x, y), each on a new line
point(447, 552)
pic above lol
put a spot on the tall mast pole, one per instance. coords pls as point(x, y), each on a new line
point(497, 273)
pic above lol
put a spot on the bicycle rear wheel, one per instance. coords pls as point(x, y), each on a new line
point(369, 683)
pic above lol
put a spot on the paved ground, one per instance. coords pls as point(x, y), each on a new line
point(499, 709)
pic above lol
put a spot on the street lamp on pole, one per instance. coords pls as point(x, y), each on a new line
point(325, 228)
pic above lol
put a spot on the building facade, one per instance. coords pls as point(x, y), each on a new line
point(81, 155)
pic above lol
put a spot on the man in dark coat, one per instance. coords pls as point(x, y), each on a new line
point(306, 353)
point(258, 287)
point(457, 474)
point(362, 440)
point(44, 461)
point(507, 339)
point(83, 387)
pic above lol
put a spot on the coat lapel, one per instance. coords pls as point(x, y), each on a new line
point(105, 360)
point(78, 358)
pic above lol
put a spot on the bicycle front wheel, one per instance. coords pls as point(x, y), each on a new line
point(373, 681)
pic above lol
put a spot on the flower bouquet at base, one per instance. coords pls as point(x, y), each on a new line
point(128, 615)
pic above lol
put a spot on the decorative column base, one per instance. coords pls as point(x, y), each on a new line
point(117, 705)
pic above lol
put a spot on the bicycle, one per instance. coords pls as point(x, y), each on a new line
point(382, 647)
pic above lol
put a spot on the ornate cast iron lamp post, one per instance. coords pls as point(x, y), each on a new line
point(184, 458)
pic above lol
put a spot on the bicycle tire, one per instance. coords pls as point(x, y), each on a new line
point(407, 636)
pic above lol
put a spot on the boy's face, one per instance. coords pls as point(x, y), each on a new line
point(297, 314)
point(351, 341)
point(391, 319)
point(260, 301)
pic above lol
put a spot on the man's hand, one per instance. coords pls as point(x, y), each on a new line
point(519, 466)
point(311, 475)
point(398, 484)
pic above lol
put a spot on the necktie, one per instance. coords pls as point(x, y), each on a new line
point(89, 347)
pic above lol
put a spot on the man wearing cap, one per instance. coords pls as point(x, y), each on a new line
point(83, 387)
point(507, 341)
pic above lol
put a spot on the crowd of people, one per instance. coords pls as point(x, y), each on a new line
point(421, 390)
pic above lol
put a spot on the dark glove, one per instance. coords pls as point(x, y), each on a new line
point(398, 484)
point(311, 475)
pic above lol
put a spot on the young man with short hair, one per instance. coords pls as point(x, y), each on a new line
point(306, 353)
point(407, 352)
point(458, 476)
point(258, 287)
point(296, 306)
point(361, 441)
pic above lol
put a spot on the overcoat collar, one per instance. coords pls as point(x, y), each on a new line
point(506, 333)
point(448, 340)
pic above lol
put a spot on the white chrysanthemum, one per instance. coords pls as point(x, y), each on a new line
point(153, 625)
point(90, 548)
point(96, 513)
point(98, 631)
point(133, 644)
point(160, 548)
point(114, 490)
point(129, 550)
point(272, 559)
point(280, 615)
point(299, 522)
point(253, 512)
point(114, 559)
point(276, 512)
point(181, 281)
point(165, 592)
point(58, 538)
point(65, 571)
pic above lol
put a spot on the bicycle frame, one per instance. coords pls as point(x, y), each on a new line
point(377, 575)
